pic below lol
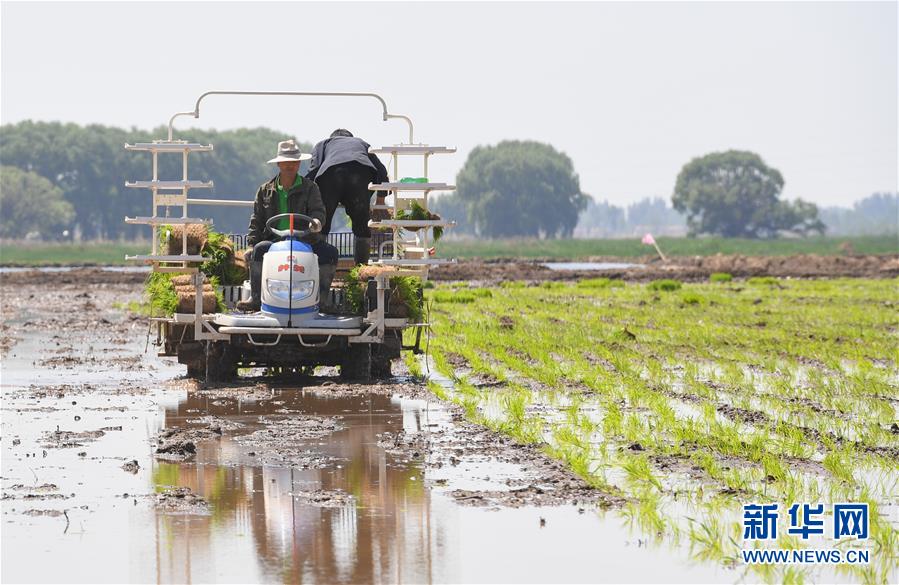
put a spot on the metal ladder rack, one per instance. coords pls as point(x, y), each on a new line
point(410, 254)
point(173, 193)
point(170, 193)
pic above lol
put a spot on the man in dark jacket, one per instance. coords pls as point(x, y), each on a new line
point(343, 168)
point(287, 192)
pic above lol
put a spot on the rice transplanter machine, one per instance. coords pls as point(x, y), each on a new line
point(291, 331)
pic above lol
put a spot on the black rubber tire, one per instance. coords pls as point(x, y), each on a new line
point(382, 355)
point(380, 368)
point(221, 363)
point(356, 364)
point(193, 355)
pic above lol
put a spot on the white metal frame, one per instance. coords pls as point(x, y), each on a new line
point(174, 193)
point(403, 195)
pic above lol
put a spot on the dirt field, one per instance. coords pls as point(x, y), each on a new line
point(685, 268)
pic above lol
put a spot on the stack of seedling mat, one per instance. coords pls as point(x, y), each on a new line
point(168, 293)
point(403, 298)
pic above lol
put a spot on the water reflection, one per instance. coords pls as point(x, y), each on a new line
point(383, 534)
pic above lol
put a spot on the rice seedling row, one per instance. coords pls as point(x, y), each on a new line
point(690, 400)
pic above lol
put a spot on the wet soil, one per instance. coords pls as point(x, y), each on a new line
point(181, 500)
point(109, 452)
point(684, 268)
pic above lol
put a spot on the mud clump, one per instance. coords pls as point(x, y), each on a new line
point(228, 395)
point(401, 384)
point(217, 424)
point(285, 441)
point(47, 491)
point(753, 417)
point(181, 500)
point(8, 338)
point(67, 439)
point(456, 360)
point(289, 456)
point(573, 493)
point(297, 428)
point(181, 443)
point(50, 513)
point(43, 488)
point(131, 466)
point(324, 498)
point(411, 445)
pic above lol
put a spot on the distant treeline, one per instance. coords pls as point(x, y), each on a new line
point(877, 214)
point(654, 215)
point(90, 166)
point(65, 178)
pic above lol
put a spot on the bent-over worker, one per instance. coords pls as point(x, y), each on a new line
point(343, 168)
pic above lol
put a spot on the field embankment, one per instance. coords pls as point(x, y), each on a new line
point(633, 249)
point(85, 254)
point(686, 268)
point(113, 253)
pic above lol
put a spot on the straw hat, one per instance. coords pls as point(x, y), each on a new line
point(288, 151)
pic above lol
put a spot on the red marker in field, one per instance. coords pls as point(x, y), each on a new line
point(651, 241)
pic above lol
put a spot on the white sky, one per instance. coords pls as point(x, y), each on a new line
point(631, 92)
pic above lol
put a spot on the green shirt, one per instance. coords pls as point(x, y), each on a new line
point(284, 224)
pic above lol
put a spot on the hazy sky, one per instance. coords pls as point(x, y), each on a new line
point(631, 92)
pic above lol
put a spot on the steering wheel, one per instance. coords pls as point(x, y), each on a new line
point(313, 227)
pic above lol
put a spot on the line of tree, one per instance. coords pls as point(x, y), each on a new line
point(60, 178)
point(736, 195)
point(877, 214)
point(519, 188)
point(603, 219)
point(89, 166)
point(530, 189)
point(27, 201)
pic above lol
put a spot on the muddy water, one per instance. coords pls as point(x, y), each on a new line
point(363, 486)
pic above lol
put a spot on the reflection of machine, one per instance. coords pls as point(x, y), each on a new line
point(389, 530)
point(290, 332)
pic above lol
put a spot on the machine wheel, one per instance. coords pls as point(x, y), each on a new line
point(356, 363)
point(221, 363)
point(193, 355)
point(383, 355)
point(380, 368)
point(217, 363)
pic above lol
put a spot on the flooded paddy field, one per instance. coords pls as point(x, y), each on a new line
point(690, 400)
point(116, 468)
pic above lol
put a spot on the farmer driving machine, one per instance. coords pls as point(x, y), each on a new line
point(357, 325)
